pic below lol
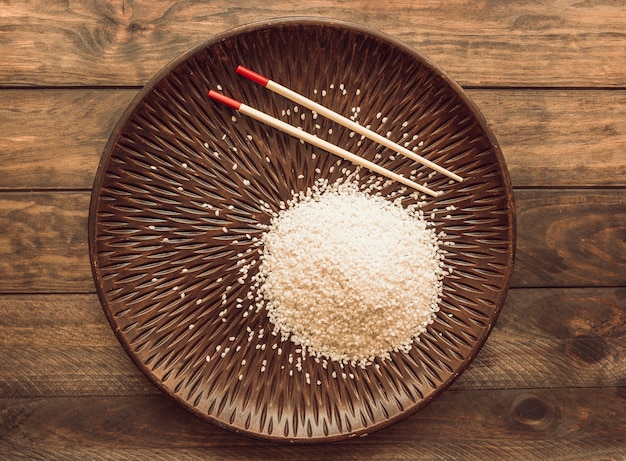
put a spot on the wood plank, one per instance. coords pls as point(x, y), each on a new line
point(43, 244)
point(515, 43)
point(62, 345)
point(554, 338)
point(559, 138)
point(565, 238)
point(47, 322)
point(549, 138)
point(66, 371)
point(572, 424)
point(54, 138)
point(570, 238)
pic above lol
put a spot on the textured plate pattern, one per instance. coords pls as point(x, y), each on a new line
point(175, 208)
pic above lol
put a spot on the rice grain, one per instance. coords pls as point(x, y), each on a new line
point(348, 275)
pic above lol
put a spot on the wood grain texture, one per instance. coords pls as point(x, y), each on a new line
point(51, 321)
point(64, 371)
point(43, 242)
point(516, 43)
point(549, 138)
point(552, 338)
point(559, 138)
point(498, 424)
point(565, 238)
point(54, 138)
point(61, 345)
point(571, 238)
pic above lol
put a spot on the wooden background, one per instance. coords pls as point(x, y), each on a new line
point(550, 78)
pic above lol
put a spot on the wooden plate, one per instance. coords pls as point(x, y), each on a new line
point(164, 262)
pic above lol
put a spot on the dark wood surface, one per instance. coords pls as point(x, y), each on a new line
point(550, 78)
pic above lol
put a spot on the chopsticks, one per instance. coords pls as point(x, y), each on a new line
point(338, 118)
point(322, 144)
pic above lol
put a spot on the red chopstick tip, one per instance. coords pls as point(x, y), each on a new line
point(219, 97)
point(249, 74)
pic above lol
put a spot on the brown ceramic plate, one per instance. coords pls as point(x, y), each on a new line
point(163, 264)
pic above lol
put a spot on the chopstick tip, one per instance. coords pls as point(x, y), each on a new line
point(251, 75)
point(219, 97)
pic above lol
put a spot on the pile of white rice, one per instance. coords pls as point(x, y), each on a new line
point(348, 275)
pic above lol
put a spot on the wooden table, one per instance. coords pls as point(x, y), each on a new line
point(549, 77)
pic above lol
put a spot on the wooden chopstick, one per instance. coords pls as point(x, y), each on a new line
point(314, 140)
point(340, 119)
